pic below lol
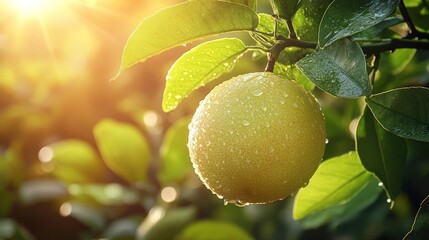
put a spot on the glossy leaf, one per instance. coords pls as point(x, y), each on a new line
point(339, 69)
point(75, 161)
point(249, 3)
point(382, 153)
point(206, 229)
point(420, 230)
point(198, 67)
point(284, 9)
point(341, 213)
point(373, 31)
point(403, 111)
point(345, 18)
point(124, 149)
point(184, 23)
point(396, 61)
point(291, 72)
point(336, 182)
point(307, 18)
point(175, 161)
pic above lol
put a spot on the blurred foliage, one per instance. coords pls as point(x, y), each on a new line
point(85, 158)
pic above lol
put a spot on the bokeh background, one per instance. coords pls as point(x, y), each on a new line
point(57, 59)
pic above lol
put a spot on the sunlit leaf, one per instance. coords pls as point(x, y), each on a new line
point(123, 228)
point(341, 213)
point(86, 214)
point(249, 3)
point(75, 161)
point(266, 25)
point(396, 61)
point(291, 72)
point(35, 191)
point(345, 18)
point(124, 149)
point(339, 69)
point(183, 23)
point(207, 229)
point(420, 230)
point(403, 111)
point(336, 182)
point(199, 66)
point(382, 153)
point(175, 161)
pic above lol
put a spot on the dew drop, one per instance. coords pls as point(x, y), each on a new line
point(389, 200)
point(257, 92)
point(264, 108)
point(245, 123)
point(178, 96)
point(326, 141)
point(208, 143)
point(295, 105)
point(380, 184)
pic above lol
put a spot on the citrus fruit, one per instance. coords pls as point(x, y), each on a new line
point(256, 138)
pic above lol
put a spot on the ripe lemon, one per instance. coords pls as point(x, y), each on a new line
point(256, 138)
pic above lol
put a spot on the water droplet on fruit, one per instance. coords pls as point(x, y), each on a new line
point(245, 123)
point(178, 96)
point(257, 92)
point(208, 143)
point(264, 108)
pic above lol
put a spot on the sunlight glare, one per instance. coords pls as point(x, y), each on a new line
point(30, 7)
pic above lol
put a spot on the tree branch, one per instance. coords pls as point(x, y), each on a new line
point(413, 30)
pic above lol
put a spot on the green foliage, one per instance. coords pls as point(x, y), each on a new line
point(175, 161)
point(74, 161)
point(124, 149)
point(338, 69)
point(212, 230)
point(336, 182)
point(343, 18)
point(393, 111)
point(198, 67)
point(420, 229)
point(188, 21)
point(382, 153)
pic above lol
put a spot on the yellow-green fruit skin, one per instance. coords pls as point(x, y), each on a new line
point(256, 138)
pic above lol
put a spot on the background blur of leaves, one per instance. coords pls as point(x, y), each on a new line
point(66, 136)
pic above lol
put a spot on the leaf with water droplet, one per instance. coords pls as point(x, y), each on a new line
point(339, 69)
point(382, 153)
point(336, 181)
point(403, 111)
point(345, 18)
point(206, 62)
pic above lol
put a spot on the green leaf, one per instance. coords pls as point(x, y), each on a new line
point(403, 111)
point(339, 69)
point(375, 30)
point(198, 67)
point(345, 18)
point(249, 3)
point(266, 25)
point(167, 227)
point(382, 153)
point(184, 23)
point(420, 230)
point(336, 182)
point(124, 149)
point(104, 194)
point(307, 18)
point(75, 161)
point(284, 8)
point(341, 213)
point(174, 153)
point(396, 61)
point(291, 72)
point(213, 230)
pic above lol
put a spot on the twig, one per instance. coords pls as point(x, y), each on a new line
point(413, 30)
